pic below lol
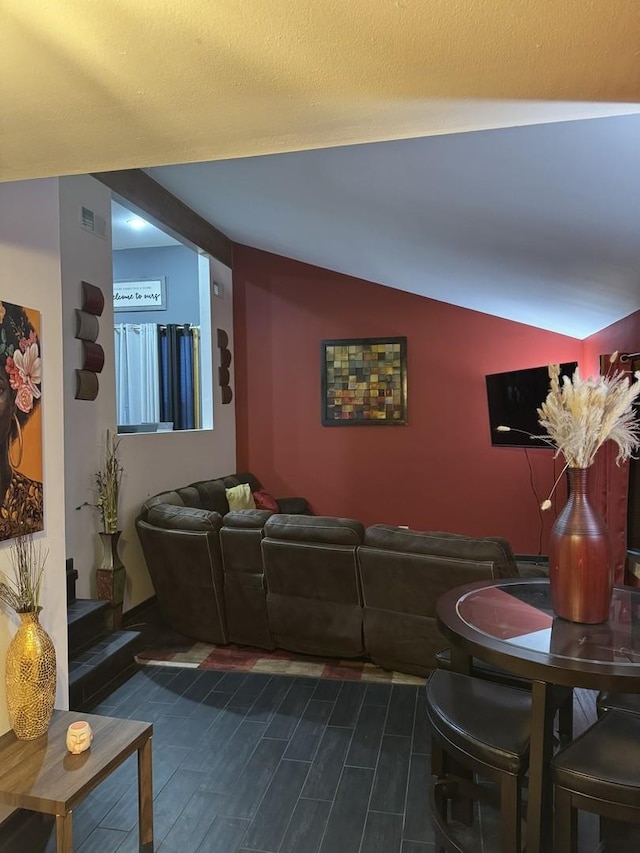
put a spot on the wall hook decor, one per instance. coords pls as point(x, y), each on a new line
point(87, 331)
point(86, 385)
point(92, 299)
point(224, 376)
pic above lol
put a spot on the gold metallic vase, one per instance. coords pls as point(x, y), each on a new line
point(30, 678)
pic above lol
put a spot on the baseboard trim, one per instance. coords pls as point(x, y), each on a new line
point(135, 614)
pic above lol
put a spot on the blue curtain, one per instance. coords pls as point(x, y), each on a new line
point(176, 376)
point(185, 382)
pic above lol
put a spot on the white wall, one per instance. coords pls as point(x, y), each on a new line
point(152, 462)
point(155, 462)
point(29, 260)
point(85, 257)
point(45, 255)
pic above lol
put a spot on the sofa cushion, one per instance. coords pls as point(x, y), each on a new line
point(172, 498)
point(294, 506)
point(264, 500)
point(439, 544)
point(240, 497)
point(172, 517)
point(191, 497)
point(315, 528)
point(248, 477)
point(212, 495)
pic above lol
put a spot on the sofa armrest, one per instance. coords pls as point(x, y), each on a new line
point(186, 518)
point(532, 565)
point(294, 506)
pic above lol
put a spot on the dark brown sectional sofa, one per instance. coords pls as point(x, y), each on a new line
point(313, 584)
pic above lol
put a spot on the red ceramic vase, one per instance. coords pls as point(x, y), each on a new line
point(580, 569)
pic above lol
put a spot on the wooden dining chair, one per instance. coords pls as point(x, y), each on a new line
point(627, 702)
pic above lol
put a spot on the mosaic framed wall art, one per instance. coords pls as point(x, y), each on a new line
point(364, 382)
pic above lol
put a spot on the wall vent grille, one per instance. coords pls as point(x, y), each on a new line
point(93, 223)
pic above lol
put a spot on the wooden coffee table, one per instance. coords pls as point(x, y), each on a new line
point(41, 775)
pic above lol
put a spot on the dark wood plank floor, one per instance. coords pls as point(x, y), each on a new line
point(246, 763)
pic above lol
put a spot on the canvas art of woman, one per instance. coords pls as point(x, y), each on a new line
point(21, 507)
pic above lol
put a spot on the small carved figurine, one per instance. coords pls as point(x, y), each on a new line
point(79, 737)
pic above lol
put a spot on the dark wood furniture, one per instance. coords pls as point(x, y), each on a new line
point(484, 727)
point(41, 775)
point(597, 773)
point(511, 624)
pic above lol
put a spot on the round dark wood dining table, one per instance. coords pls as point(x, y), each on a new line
point(511, 624)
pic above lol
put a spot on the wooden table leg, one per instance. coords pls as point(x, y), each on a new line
point(462, 807)
point(539, 808)
point(145, 797)
point(460, 661)
point(64, 833)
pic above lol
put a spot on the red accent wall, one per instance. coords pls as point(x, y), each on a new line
point(438, 473)
point(623, 336)
point(610, 483)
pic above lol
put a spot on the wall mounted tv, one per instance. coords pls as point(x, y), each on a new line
point(513, 399)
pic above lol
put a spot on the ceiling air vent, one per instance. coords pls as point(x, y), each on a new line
point(90, 221)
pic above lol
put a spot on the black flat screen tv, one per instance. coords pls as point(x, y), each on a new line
point(514, 398)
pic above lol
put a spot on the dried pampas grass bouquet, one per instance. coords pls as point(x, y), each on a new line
point(579, 415)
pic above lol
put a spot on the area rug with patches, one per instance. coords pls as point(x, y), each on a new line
point(246, 659)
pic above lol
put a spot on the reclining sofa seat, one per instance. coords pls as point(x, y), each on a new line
point(181, 546)
point(245, 592)
point(404, 572)
point(314, 600)
point(179, 531)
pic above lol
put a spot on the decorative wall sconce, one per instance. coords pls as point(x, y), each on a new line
point(87, 326)
point(87, 385)
point(92, 357)
point(225, 363)
point(87, 330)
point(92, 299)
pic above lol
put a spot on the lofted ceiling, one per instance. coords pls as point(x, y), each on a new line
point(537, 224)
point(507, 220)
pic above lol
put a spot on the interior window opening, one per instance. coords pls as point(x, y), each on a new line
point(162, 328)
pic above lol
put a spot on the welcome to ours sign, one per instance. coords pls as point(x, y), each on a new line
point(139, 295)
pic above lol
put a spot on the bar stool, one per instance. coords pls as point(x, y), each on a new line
point(485, 728)
point(627, 702)
point(597, 772)
point(563, 696)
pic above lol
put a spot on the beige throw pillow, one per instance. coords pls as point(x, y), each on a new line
point(240, 497)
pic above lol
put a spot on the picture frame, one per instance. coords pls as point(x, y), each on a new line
point(148, 294)
point(364, 381)
point(24, 391)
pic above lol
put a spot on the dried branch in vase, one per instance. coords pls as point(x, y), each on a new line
point(22, 592)
point(108, 480)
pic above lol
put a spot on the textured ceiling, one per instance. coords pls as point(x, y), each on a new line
point(88, 86)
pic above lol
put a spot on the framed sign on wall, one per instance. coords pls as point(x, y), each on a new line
point(147, 294)
point(364, 382)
